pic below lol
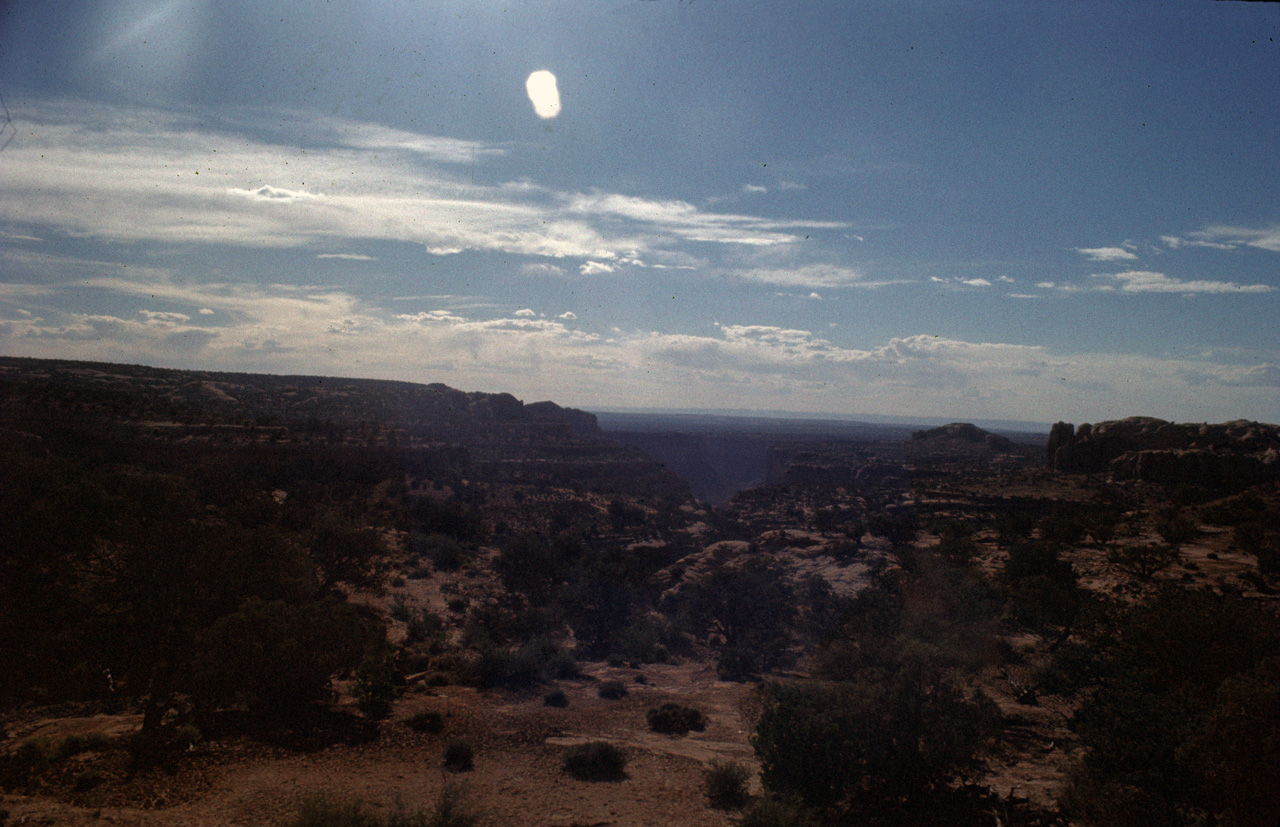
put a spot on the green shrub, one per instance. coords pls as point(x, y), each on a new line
point(86, 780)
point(458, 756)
point(377, 683)
point(612, 690)
point(34, 754)
point(1176, 529)
point(775, 813)
point(674, 719)
point(400, 609)
point(445, 553)
point(1180, 726)
point(726, 785)
point(1236, 510)
point(595, 761)
point(187, 736)
point(429, 723)
point(450, 810)
point(76, 744)
point(881, 738)
point(1143, 561)
point(425, 627)
point(556, 698)
point(530, 664)
point(322, 812)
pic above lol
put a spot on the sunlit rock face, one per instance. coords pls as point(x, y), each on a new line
point(544, 93)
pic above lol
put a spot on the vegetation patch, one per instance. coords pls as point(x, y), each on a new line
point(458, 756)
point(726, 785)
point(612, 690)
point(449, 810)
point(595, 761)
point(673, 719)
point(428, 723)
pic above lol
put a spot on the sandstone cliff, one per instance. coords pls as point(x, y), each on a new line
point(1154, 450)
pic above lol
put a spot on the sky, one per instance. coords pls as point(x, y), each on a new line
point(1031, 211)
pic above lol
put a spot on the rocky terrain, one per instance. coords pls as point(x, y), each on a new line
point(234, 599)
point(1144, 448)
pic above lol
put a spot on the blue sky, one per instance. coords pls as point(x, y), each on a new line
point(970, 210)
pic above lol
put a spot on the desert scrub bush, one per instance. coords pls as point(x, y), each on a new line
point(674, 719)
point(449, 810)
point(86, 780)
point(377, 683)
point(76, 744)
point(1176, 529)
point(1143, 561)
point(323, 812)
point(425, 627)
point(34, 755)
point(772, 812)
point(445, 553)
point(595, 761)
point(534, 662)
point(429, 723)
point(187, 736)
point(458, 756)
point(612, 690)
point(726, 785)
point(556, 698)
point(400, 609)
point(871, 742)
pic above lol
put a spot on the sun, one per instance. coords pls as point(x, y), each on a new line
point(542, 90)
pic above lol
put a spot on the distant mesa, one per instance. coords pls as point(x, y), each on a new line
point(836, 464)
point(492, 436)
point(1153, 450)
point(964, 432)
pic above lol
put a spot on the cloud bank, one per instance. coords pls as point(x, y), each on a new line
point(285, 329)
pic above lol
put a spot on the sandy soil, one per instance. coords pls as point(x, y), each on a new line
point(517, 778)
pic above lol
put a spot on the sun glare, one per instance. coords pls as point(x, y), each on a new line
point(541, 86)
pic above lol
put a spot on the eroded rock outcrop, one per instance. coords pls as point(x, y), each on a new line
point(1154, 450)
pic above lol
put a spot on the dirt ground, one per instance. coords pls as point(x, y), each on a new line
point(517, 778)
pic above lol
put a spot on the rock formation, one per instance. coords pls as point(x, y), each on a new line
point(1154, 450)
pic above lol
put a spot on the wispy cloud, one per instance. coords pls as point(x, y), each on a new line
point(140, 175)
point(1224, 237)
point(347, 256)
point(359, 135)
point(1107, 253)
point(1147, 281)
point(541, 268)
point(686, 221)
point(7, 236)
point(956, 280)
point(808, 275)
